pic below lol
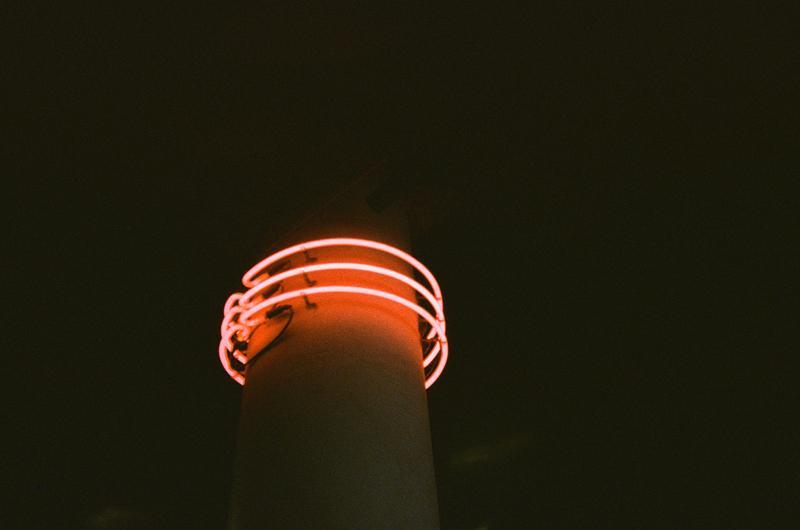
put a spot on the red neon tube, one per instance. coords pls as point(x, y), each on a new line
point(242, 309)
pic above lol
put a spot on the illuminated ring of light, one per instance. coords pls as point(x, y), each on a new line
point(240, 308)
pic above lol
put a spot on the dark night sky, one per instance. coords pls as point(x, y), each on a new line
point(611, 231)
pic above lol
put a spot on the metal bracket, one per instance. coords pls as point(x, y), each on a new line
point(277, 310)
point(309, 303)
point(278, 267)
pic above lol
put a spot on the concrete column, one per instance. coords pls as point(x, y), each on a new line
point(334, 430)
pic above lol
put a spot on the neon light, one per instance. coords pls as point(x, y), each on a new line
point(241, 308)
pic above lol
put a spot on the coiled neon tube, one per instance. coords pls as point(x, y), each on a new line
point(243, 312)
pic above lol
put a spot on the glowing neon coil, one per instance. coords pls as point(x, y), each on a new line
point(245, 311)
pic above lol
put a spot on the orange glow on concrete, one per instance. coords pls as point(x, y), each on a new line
point(244, 312)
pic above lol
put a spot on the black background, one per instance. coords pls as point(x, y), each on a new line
point(602, 192)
